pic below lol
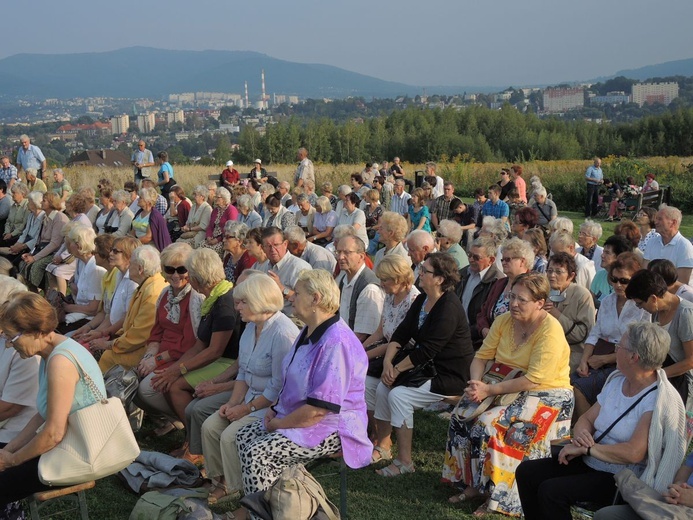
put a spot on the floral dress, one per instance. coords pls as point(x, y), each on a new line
point(372, 219)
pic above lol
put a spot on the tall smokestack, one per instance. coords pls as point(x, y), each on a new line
point(246, 95)
point(264, 99)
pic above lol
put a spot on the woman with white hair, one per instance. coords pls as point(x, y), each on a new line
point(246, 213)
point(128, 348)
point(590, 233)
point(236, 259)
point(546, 207)
point(85, 287)
point(223, 212)
point(30, 234)
point(265, 342)
point(448, 238)
point(198, 218)
point(19, 213)
point(123, 220)
point(323, 224)
point(149, 226)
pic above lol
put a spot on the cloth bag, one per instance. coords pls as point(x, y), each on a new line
point(98, 442)
point(646, 501)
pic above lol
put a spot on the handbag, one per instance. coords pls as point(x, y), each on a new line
point(188, 234)
point(375, 365)
point(494, 373)
point(416, 376)
point(98, 442)
point(646, 501)
point(296, 495)
point(122, 383)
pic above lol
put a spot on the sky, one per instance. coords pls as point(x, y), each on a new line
point(430, 42)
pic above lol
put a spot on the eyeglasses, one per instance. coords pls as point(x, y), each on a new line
point(230, 237)
point(428, 271)
point(169, 269)
point(8, 340)
point(129, 191)
point(618, 347)
point(340, 252)
point(116, 251)
point(621, 281)
point(273, 246)
point(521, 301)
point(440, 237)
point(507, 259)
point(476, 257)
point(557, 272)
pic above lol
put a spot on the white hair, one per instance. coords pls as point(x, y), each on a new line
point(147, 257)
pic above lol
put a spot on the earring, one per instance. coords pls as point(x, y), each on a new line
point(656, 305)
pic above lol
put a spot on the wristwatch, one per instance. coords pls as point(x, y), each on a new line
point(252, 407)
point(183, 370)
point(286, 292)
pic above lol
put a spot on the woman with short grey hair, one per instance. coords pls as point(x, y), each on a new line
point(223, 212)
point(545, 207)
point(448, 237)
point(236, 259)
point(149, 225)
point(590, 233)
point(198, 219)
point(246, 213)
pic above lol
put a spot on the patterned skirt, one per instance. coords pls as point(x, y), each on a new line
point(485, 453)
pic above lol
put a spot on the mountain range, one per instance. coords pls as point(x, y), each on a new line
point(147, 72)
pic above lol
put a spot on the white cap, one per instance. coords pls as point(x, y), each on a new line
point(229, 163)
point(258, 161)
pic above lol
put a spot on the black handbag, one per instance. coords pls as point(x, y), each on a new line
point(375, 365)
point(416, 376)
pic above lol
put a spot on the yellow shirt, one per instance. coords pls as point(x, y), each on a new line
point(544, 357)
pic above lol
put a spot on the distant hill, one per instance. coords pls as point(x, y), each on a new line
point(148, 72)
point(661, 70)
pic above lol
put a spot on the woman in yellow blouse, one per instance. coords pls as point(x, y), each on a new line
point(128, 347)
point(482, 453)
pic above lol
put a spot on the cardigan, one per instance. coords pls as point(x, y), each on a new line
point(444, 337)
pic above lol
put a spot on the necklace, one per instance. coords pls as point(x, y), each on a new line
point(524, 333)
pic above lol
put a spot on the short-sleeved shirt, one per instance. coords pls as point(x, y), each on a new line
point(400, 203)
point(18, 385)
point(9, 173)
point(165, 167)
point(89, 277)
point(31, 158)
point(498, 210)
point(594, 173)
point(679, 250)
point(288, 269)
point(222, 317)
point(140, 224)
point(61, 188)
point(416, 215)
point(369, 303)
point(680, 331)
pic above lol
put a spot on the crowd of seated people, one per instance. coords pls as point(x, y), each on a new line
point(205, 298)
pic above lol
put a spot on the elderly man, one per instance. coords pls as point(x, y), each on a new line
point(318, 257)
point(284, 188)
point(361, 299)
point(419, 244)
point(305, 170)
point(61, 186)
point(476, 280)
point(670, 244)
point(441, 205)
point(8, 172)
point(563, 242)
point(400, 199)
point(595, 178)
point(392, 233)
point(282, 266)
point(30, 156)
point(142, 162)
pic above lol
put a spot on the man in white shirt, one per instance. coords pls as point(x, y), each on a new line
point(419, 244)
point(361, 300)
point(563, 242)
point(671, 244)
point(281, 266)
point(400, 199)
point(318, 257)
point(305, 170)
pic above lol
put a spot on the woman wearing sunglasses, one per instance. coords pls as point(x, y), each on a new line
point(615, 313)
point(177, 319)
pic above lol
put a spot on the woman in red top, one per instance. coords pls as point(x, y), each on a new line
point(177, 318)
point(237, 258)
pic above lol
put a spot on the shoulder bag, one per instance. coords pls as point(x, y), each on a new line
point(296, 495)
point(98, 442)
point(416, 376)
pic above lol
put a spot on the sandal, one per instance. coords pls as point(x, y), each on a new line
point(468, 494)
point(219, 493)
point(482, 510)
point(401, 469)
point(380, 454)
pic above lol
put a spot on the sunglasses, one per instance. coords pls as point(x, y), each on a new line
point(116, 251)
point(622, 281)
point(169, 269)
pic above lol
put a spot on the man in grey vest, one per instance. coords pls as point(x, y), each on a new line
point(361, 300)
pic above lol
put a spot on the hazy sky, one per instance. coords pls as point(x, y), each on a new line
point(429, 42)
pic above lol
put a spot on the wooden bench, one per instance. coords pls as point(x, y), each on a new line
point(216, 177)
point(74, 494)
point(651, 199)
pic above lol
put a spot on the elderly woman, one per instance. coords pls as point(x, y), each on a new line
point(638, 423)
point(107, 218)
point(216, 348)
point(29, 236)
point(19, 214)
point(328, 192)
point(545, 207)
point(523, 219)
point(588, 238)
point(34, 262)
point(305, 213)
point(570, 304)
point(237, 258)
point(397, 281)
point(85, 287)
point(174, 331)
point(600, 286)
point(392, 233)
point(482, 454)
point(324, 222)
point(222, 213)
point(117, 290)
point(277, 215)
point(178, 212)
point(437, 326)
point(517, 258)
point(448, 238)
point(353, 216)
point(649, 292)
point(535, 238)
point(667, 270)
point(246, 213)
point(320, 409)
point(265, 342)
point(123, 221)
point(149, 226)
point(67, 376)
point(198, 218)
point(615, 313)
point(128, 346)
point(645, 219)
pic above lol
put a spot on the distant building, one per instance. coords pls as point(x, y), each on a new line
point(563, 99)
point(146, 122)
point(648, 93)
point(176, 116)
point(103, 158)
point(120, 124)
point(611, 98)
